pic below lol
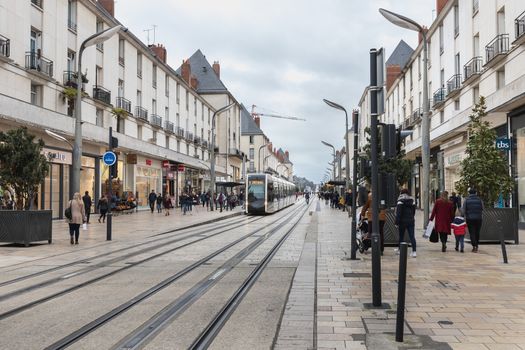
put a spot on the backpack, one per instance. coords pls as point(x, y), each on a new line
point(67, 213)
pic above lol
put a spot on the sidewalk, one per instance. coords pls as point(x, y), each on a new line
point(453, 300)
point(125, 228)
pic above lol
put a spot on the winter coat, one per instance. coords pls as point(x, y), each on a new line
point(78, 213)
point(87, 201)
point(472, 208)
point(443, 211)
point(152, 197)
point(405, 210)
point(459, 226)
point(367, 210)
point(103, 204)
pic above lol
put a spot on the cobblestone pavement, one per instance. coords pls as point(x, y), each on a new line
point(453, 300)
point(126, 228)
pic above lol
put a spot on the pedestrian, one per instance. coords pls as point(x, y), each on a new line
point(456, 201)
point(87, 205)
point(207, 200)
point(459, 227)
point(203, 199)
point(167, 204)
point(472, 210)
point(405, 213)
point(443, 212)
point(184, 203)
point(348, 202)
point(152, 198)
point(102, 207)
point(220, 200)
point(78, 217)
point(159, 203)
point(367, 210)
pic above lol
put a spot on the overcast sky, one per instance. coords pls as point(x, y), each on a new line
point(284, 56)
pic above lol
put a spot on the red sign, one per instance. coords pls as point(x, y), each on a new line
point(180, 167)
point(148, 161)
point(165, 163)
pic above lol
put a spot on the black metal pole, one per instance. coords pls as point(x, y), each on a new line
point(355, 121)
point(401, 290)
point(376, 253)
point(110, 191)
point(502, 242)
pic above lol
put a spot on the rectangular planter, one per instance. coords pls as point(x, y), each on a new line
point(25, 226)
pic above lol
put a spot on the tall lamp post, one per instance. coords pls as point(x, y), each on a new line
point(94, 39)
point(407, 23)
point(212, 154)
point(347, 157)
point(333, 155)
point(259, 157)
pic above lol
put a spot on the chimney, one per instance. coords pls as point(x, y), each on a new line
point(159, 51)
point(420, 36)
point(392, 72)
point(257, 121)
point(185, 71)
point(287, 155)
point(440, 4)
point(217, 68)
point(108, 5)
point(193, 82)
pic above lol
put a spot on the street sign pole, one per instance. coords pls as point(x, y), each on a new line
point(110, 191)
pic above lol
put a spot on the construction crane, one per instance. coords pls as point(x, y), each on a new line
point(257, 114)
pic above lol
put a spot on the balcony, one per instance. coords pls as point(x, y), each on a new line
point(416, 116)
point(234, 152)
point(169, 126)
point(519, 24)
point(38, 63)
point(496, 50)
point(189, 136)
point(141, 113)
point(156, 121)
point(5, 47)
point(121, 61)
point(71, 24)
point(205, 144)
point(124, 104)
point(454, 85)
point(179, 131)
point(101, 94)
point(472, 70)
point(438, 98)
point(197, 140)
point(37, 3)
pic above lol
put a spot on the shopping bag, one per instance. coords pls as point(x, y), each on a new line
point(434, 237)
point(84, 226)
point(429, 229)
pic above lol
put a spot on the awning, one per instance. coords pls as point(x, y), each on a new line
point(337, 183)
point(229, 184)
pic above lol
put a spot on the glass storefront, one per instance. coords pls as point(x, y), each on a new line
point(53, 193)
point(147, 179)
point(117, 184)
point(88, 178)
point(519, 166)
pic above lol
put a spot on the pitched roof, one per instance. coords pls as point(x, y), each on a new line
point(401, 55)
point(248, 125)
point(209, 82)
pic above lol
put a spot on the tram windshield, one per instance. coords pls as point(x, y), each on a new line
point(255, 189)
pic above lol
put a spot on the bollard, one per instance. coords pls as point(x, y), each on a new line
point(502, 242)
point(401, 289)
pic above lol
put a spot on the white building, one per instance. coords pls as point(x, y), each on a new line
point(475, 49)
point(167, 121)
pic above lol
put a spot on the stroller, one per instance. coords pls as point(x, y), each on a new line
point(363, 239)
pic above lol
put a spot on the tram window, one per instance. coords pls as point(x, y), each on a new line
point(255, 189)
point(270, 190)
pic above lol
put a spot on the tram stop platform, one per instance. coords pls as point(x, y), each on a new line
point(460, 301)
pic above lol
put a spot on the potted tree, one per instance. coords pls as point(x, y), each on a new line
point(486, 169)
point(22, 169)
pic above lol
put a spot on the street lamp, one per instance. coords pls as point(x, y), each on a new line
point(259, 158)
point(58, 137)
point(94, 39)
point(264, 161)
point(347, 157)
point(212, 154)
point(333, 154)
point(410, 24)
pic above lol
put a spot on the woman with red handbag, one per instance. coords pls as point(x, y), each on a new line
point(443, 212)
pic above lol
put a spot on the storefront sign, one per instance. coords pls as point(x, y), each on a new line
point(148, 162)
point(503, 144)
point(180, 168)
point(454, 159)
point(165, 163)
point(451, 143)
point(131, 158)
point(58, 157)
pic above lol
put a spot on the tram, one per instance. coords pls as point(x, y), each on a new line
point(266, 194)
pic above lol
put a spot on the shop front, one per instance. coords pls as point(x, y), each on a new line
point(54, 192)
point(454, 151)
point(148, 177)
point(518, 161)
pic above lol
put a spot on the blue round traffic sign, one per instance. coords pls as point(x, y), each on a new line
point(109, 158)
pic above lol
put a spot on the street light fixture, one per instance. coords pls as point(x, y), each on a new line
point(259, 157)
point(333, 154)
point(212, 154)
point(58, 137)
point(94, 39)
point(347, 156)
point(407, 23)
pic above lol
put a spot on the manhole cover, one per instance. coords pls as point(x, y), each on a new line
point(357, 274)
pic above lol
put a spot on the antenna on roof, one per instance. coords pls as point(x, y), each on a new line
point(147, 34)
point(154, 27)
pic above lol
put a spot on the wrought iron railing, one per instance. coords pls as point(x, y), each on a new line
point(5, 46)
point(101, 94)
point(438, 97)
point(37, 3)
point(454, 83)
point(472, 67)
point(499, 45)
point(156, 120)
point(416, 116)
point(124, 103)
point(205, 143)
point(169, 126)
point(35, 61)
point(197, 140)
point(71, 24)
point(520, 25)
point(179, 131)
point(141, 113)
point(121, 61)
point(189, 136)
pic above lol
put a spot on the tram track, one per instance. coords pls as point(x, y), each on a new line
point(87, 260)
point(55, 295)
point(184, 301)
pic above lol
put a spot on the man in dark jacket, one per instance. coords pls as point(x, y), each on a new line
point(405, 212)
point(348, 202)
point(152, 199)
point(87, 205)
point(472, 210)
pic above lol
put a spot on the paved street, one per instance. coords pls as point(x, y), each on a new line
point(302, 300)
